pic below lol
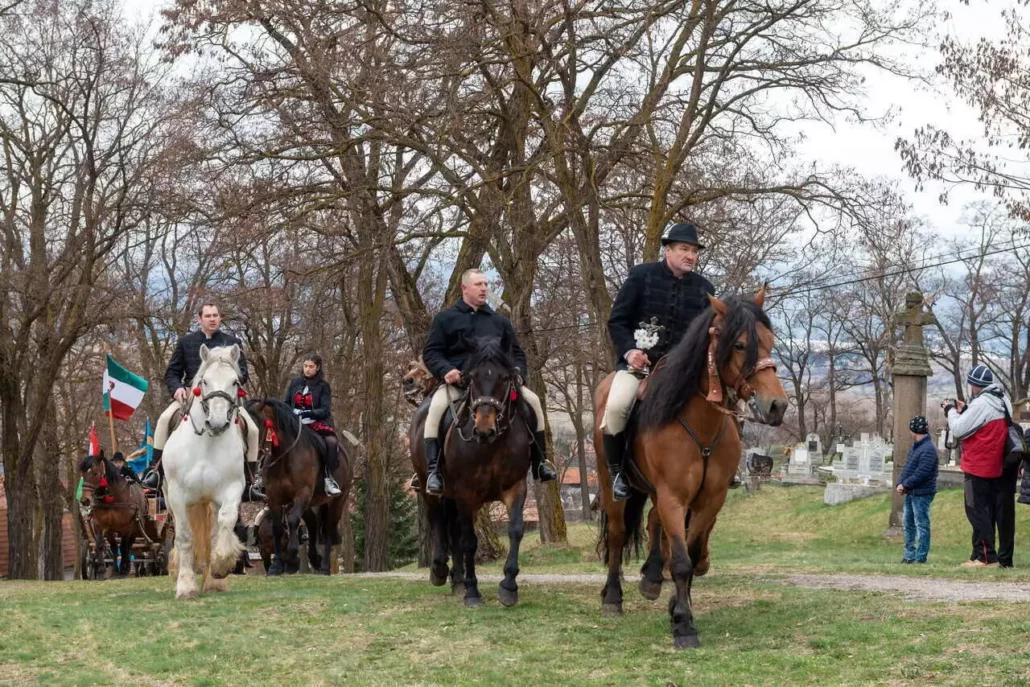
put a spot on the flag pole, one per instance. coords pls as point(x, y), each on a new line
point(110, 408)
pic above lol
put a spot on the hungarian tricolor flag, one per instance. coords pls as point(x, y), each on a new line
point(123, 391)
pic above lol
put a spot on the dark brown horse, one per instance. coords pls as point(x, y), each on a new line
point(686, 449)
point(292, 469)
point(485, 458)
point(113, 505)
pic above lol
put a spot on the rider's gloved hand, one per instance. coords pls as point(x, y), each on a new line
point(453, 377)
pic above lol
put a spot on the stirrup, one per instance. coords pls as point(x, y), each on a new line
point(434, 487)
point(620, 490)
point(540, 476)
point(331, 487)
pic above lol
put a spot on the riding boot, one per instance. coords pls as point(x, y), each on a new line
point(332, 462)
point(615, 452)
point(253, 490)
point(155, 471)
point(434, 483)
point(542, 472)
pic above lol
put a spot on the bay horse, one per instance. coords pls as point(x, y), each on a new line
point(485, 458)
point(292, 469)
point(686, 447)
point(114, 506)
point(204, 475)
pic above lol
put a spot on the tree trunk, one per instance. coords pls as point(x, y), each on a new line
point(51, 565)
point(346, 554)
point(371, 287)
point(21, 516)
point(584, 486)
point(490, 546)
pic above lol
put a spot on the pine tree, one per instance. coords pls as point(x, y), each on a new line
point(403, 532)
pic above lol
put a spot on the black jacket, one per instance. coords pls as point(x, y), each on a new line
point(185, 362)
point(652, 290)
point(321, 398)
point(446, 348)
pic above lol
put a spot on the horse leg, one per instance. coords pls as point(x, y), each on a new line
point(313, 521)
point(186, 584)
point(611, 593)
point(277, 542)
point(438, 535)
point(225, 545)
point(102, 545)
point(673, 516)
point(293, 523)
point(127, 542)
point(515, 499)
point(454, 546)
point(651, 572)
point(469, 544)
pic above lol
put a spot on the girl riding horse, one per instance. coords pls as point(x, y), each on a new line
point(312, 401)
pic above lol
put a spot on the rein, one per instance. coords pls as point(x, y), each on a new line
point(500, 406)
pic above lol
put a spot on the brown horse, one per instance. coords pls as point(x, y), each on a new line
point(292, 469)
point(485, 458)
point(114, 506)
point(686, 448)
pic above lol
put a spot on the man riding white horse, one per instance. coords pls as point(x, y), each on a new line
point(659, 300)
point(446, 351)
point(182, 368)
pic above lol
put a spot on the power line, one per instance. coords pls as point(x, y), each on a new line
point(825, 287)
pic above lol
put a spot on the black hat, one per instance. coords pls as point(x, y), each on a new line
point(918, 425)
point(684, 232)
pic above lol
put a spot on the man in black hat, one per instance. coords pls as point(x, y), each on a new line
point(671, 294)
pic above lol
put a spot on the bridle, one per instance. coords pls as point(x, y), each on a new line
point(501, 405)
point(233, 416)
point(741, 387)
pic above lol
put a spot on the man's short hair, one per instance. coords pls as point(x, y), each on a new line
point(200, 311)
point(466, 276)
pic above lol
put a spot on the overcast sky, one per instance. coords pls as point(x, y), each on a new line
point(870, 148)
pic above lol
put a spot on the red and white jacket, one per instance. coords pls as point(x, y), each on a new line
point(982, 428)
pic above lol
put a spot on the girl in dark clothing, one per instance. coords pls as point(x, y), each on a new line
point(311, 399)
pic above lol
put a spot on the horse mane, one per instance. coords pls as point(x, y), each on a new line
point(112, 474)
point(683, 368)
point(217, 355)
point(490, 350)
point(284, 419)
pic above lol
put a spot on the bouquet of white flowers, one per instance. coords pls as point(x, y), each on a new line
point(646, 337)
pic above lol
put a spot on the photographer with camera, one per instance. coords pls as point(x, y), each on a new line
point(982, 427)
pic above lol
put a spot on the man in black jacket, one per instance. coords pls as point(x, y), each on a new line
point(182, 368)
point(446, 352)
point(671, 292)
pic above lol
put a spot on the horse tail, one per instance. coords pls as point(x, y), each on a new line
point(633, 524)
point(202, 525)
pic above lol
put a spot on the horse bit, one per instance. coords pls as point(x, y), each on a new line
point(500, 406)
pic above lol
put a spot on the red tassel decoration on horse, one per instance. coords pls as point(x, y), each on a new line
point(108, 499)
point(514, 396)
point(196, 391)
point(102, 482)
point(241, 393)
point(268, 424)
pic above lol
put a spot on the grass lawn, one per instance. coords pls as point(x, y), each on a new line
point(360, 631)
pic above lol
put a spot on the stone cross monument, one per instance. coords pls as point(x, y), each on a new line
point(909, 372)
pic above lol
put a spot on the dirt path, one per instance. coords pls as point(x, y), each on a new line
point(915, 588)
point(918, 588)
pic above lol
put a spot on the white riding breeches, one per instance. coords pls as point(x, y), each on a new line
point(620, 399)
point(438, 406)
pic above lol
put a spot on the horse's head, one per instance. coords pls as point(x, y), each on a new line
point(96, 480)
point(417, 382)
point(492, 379)
point(741, 354)
point(217, 386)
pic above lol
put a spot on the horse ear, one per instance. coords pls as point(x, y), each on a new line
point(760, 296)
point(234, 353)
point(718, 306)
point(204, 353)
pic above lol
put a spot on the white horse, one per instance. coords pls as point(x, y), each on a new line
point(203, 462)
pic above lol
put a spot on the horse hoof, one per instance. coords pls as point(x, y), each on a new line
point(437, 580)
point(458, 589)
point(687, 642)
point(507, 597)
point(650, 590)
point(611, 610)
point(192, 594)
point(274, 571)
point(473, 602)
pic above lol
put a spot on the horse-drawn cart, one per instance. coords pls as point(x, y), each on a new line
point(135, 524)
